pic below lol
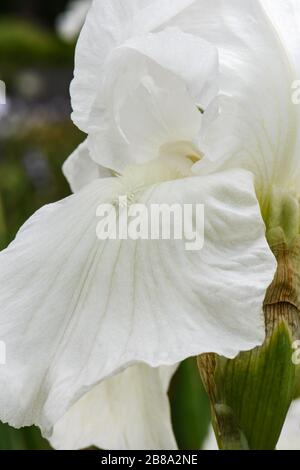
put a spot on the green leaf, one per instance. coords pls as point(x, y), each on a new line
point(21, 439)
point(258, 387)
point(189, 406)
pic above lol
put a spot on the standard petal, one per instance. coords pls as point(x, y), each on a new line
point(155, 114)
point(258, 124)
point(76, 310)
point(80, 170)
point(109, 23)
point(130, 411)
point(285, 15)
point(190, 58)
point(150, 97)
point(290, 435)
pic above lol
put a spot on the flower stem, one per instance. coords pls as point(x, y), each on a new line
point(251, 394)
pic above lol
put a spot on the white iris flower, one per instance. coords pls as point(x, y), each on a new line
point(93, 328)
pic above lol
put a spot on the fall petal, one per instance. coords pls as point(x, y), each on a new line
point(76, 310)
point(128, 411)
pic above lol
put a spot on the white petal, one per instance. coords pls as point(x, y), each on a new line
point(155, 113)
point(149, 97)
point(128, 411)
point(75, 310)
point(108, 24)
point(259, 123)
point(290, 435)
point(210, 442)
point(286, 19)
point(285, 15)
point(189, 57)
point(80, 170)
point(157, 13)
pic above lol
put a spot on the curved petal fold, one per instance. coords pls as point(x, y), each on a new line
point(188, 57)
point(130, 411)
point(80, 170)
point(148, 96)
point(158, 112)
point(109, 23)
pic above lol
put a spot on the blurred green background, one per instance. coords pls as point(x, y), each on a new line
point(36, 136)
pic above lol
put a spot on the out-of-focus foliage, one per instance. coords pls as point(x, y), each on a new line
point(30, 171)
point(32, 152)
point(21, 439)
point(25, 44)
